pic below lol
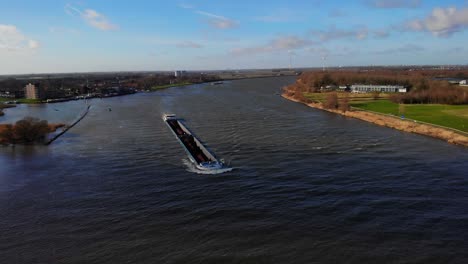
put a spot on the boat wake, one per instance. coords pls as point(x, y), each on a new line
point(191, 168)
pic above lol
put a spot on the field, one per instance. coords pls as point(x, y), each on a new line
point(453, 116)
point(155, 88)
point(20, 100)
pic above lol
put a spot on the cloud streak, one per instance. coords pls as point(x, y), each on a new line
point(217, 21)
point(387, 4)
point(408, 48)
point(279, 16)
point(334, 33)
point(189, 44)
point(213, 20)
point(92, 18)
point(287, 43)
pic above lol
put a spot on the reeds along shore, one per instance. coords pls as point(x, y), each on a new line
point(394, 122)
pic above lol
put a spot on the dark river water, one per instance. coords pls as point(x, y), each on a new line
point(308, 186)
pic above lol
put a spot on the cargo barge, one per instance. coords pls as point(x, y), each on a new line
point(198, 154)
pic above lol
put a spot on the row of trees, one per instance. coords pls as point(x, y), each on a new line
point(26, 131)
point(435, 93)
point(424, 85)
point(57, 87)
point(332, 101)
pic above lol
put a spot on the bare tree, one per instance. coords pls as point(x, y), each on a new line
point(344, 103)
point(331, 102)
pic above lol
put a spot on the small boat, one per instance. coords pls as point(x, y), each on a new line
point(216, 83)
point(198, 154)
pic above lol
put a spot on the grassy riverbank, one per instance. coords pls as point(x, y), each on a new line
point(22, 100)
point(452, 116)
point(395, 122)
point(159, 87)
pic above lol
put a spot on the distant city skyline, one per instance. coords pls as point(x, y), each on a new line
point(84, 36)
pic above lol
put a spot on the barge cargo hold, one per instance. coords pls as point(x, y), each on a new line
point(198, 154)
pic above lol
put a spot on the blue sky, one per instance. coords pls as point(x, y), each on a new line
point(112, 35)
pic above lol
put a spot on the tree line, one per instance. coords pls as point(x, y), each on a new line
point(425, 85)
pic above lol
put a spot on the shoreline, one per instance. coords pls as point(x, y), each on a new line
point(395, 123)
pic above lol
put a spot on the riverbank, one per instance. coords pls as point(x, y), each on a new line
point(396, 123)
point(160, 87)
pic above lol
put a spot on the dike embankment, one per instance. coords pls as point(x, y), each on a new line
point(396, 123)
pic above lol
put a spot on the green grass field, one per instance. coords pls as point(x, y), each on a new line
point(21, 100)
point(155, 88)
point(453, 116)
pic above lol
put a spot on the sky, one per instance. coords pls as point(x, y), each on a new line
point(51, 36)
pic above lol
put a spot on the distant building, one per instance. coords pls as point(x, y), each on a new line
point(344, 88)
point(179, 73)
point(33, 92)
point(366, 88)
point(7, 94)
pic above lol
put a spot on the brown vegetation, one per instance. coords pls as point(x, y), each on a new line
point(424, 88)
point(331, 102)
point(344, 104)
point(436, 92)
point(375, 95)
point(26, 131)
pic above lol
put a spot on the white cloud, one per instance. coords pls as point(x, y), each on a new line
point(32, 44)
point(189, 44)
point(394, 3)
point(442, 22)
point(408, 48)
point(217, 21)
point(92, 18)
point(335, 52)
point(98, 20)
point(185, 6)
point(287, 43)
point(382, 33)
point(279, 16)
point(11, 39)
point(335, 33)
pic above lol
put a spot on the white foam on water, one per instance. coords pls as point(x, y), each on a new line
point(191, 168)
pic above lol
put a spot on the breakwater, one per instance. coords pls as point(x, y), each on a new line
point(66, 128)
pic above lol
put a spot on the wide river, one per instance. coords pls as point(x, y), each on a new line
point(308, 186)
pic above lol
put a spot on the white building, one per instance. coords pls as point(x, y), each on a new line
point(367, 88)
point(463, 82)
point(179, 73)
